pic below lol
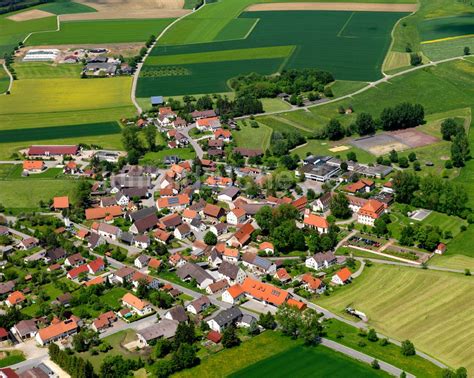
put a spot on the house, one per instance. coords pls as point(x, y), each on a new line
point(317, 223)
point(108, 231)
point(123, 275)
point(60, 203)
point(25, 329)
point(109, 212)
point(247, 152)
point(176, 260)
point(440, 249)
point(247, 321)
point(149, 281)
point(70, 168)
point(15, 299)
point(154, 264)
point(28, 243)
point(242, 236)
point(170, 221)
point(54, 255)
point(189, 215)
point(224, 319)
point(215, 144)
point(371, 211)
point(312, 284)
point(388, 187)
point(267, 247)
point(104, 321)
point(156, 100)
point(121, 199)
point(178, 123)
point(95, 281)
point(198, 305)
point(190, 271)
point(142, 261)
point(233, 294)
point(218, 181)
point(34, 166)
point(56, 331)
point(322, 203)
point(164, 329)
point(218, 228)
point(145, 224)
point(215, 258)
point(231, 272)
point(322, 260)
point(74, 260)
point(140, 214)
point(177, 203)
point(96, 266)
point(177, 313)
point(162, 236)
point(63, 300)
point(263, 292)
point(231, 255)
point(213, 211)
point(282, 275)
point(356, 203)
point(142, 241)
point(342, 277)
point(199, 114)
point(139, 307)
point(217, 287)
point(361, 186)
point(300, 203)
point(208, 124)
point(50, 151)
point(74, 273)
point(95, 240)
point(228, 194)
point(257, 264)
point(182, 232)
point(236, 216)
point(224, 135)
point(7, 287)
point(214, 337)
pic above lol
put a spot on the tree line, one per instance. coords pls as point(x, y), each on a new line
point(75, 366)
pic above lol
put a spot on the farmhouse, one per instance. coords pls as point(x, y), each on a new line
point(312, 284)
point(60, 203)
point(33, 166)
point(208, 124)
point(25, 329)
point(257, 264)
point(106, 213)
point(231, 272)
point(15, 299)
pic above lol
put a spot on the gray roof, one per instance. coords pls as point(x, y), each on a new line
point(324, 256)
point(126, 237)
point(229, 270)
point(6, 287)
point(147, 223)
point(166, 328)
point(25, 327)
point(199, 303)
point(230, 191)
point(190, 270)
point(178, 313)
point(143, 259)
point(228, 316)
point(143, 213)
point(248, 319)
point(256, 260)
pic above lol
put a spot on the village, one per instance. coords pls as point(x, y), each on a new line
point(149, 248)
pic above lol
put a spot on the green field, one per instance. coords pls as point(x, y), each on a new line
point(303, 361)
point(12, 357)
point(365, 34)
point(439, 28)
point(102, 31)
point(448, 48)
point(256, 138)
point(156, 158)
point(15, 194)
point(66, 7)
point(264, 353)
point(12, 32)
point(44, 70)
point(432, 309)
point(4, 80)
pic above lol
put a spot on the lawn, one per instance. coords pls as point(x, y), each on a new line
point(101, 31)
point(254, 138)
point(303, 361)
point(156, 158)
point(116, 341)
point(390, 353)
point(46, 70)
point(445, 222)
point(274, 105)
point(344, 87)
point(16, 195)
point(11, 358)
point(113, 297)
point(365, 34)
point(432, 309)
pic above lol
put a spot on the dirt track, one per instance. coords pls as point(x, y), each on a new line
point(116, 9)
point(33, 14)
point(366, 7)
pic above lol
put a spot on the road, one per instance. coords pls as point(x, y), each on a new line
point(429, 267)
point(193, 142)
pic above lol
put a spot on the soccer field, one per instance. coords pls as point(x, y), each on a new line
point(432, 309)
point(351, 45)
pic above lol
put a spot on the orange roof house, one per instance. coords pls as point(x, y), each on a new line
point(56, 331)
point(316, 222)
point(222, 133)
point(131, 300)
point(154, 263)
point(61, 202)
point(311, 282)
point(295, 303)
point(372, 208)
point(342, 276)
point(180, 200)
point(244, 233)
point(267, 247)
point(265, 292)
point(103, 212)
point(300, 203)
point(33, 165)
point(95, 281)
point(15, 299)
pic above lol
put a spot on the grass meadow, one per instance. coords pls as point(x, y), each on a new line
point(66, 7)
point(176, 65)
point(445, 27)
point(101, 31)
point(4, 80)
point(432, 309)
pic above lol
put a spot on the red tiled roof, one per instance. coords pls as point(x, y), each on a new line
point(316, 221)
point(344, 274)
point(265, 292)
point(75, 272)
point(103, 212)
point(33, 165)
point(61, 202)
point(372, 208)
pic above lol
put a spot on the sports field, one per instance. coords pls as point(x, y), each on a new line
point(305, 35)
point(432, 309)
point(103, 31)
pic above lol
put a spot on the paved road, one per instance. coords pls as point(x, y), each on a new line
point(10, 84)
point(362, 357)
point(193, 142)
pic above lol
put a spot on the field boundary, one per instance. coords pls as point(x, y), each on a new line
point(10, 84)
point(58, 28)
point(356, 7)
point(446, 39)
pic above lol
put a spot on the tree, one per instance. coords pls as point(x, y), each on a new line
point(185, 334)
point(403, 162)
point(460, 149)
point(267, 321)
point(310, 327)
point(365, 124)
point(150, 136)
point(79, 342)
point(287, 237)
point(288, 319)
point(351, 156)
point(311, 195)
point(405, 184)
point(449, 128)
point(375, 365)
point(467, 50)
point(411, 157)
point(339, 205)
point(210, 238)
point(393, 156)
point(408, 349)
point(415, 59)
point(334, 130)
point(372, 335)
point(230, 338)
point(184, 357)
